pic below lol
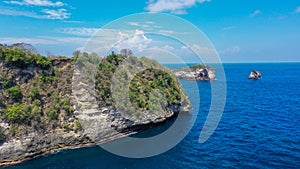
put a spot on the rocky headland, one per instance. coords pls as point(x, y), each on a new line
point(48, 104)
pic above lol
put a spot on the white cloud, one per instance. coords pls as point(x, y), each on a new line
point(37, 3)
point(15, 12)
point(44, 14)
point(174, 6)
point(33, 41)
point(162, 56)
point(78, 31)
point(229, 28)
point(255, 13)
point(58, 45)
point(137, 42)
point(179, 12)
point(53, 13)
point(169, 48)
point(149, 25)
point(282, 17)
point(298, 9)
point(203, 50)
point(150, 22)
point(56, 14)
point(235, 49)
point(78, 41)
point(184, 48)
point(105, 40)
point(45, 40)
point(133, 23)
point(167, 31)
point(170, 32)
point(70, 21)
point(231, 50)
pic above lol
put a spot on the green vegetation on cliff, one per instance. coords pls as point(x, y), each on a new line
point(34, 94)
point(14, 92)
point(149, 90)
point(196, 66)
point(21, 59)
point(143, 84)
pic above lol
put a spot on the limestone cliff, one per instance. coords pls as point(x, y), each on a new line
point(50, 104)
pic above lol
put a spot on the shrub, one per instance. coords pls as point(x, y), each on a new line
point(78, 125)
point(65, 103)
point(5, 82)
point(141, 86)
point(34, 93)
point(199, 66)
point(36, 113)
point(37, 102)
point(14, 92)
point(21, 58)
point(18, 113)
point(55, 101)
point(67, 126)
point(42, 61)
point(16, 57)
point(12, 129)
point(52, 114)
point(142, 91)
point(48, 79)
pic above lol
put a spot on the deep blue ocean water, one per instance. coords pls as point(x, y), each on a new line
point(260, 128)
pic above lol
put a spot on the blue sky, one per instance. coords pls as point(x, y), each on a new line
point(241, 31)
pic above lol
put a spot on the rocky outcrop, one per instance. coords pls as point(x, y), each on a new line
point(202, 74)
point(99, 123)
point(255, 75)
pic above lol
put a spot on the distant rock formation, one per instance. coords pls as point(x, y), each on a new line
point(255, 75)
point(198, 72)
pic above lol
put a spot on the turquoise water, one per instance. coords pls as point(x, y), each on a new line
point(260, 128)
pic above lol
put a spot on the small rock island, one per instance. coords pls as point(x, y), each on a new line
point(198, 72)
point(255, 75)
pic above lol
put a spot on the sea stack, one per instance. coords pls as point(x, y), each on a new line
point(255, 75)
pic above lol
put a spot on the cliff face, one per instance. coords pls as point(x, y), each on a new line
point(36, 109)
point(49, 104)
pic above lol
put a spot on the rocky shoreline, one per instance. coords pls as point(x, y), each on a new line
point(98, 128)
point(82, 142)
